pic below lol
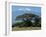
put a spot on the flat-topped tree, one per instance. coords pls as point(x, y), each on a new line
point(27, 20)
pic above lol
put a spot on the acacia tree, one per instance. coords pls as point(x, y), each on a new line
point(27, 22)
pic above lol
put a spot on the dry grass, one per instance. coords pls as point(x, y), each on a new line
point(25, 28)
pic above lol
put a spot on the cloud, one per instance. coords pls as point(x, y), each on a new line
point(28, 9)
point(24, 9)
point(20, 9)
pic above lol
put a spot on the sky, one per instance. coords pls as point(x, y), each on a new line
point(19, 10)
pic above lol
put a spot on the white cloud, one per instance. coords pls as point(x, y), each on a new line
point(20, 9)
point(24, 9)
point(28, 9)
